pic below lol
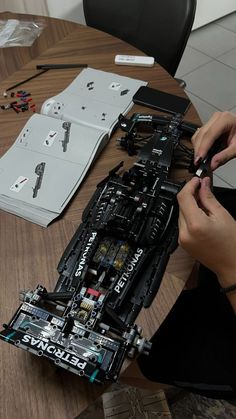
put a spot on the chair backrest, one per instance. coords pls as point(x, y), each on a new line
point(159, 28)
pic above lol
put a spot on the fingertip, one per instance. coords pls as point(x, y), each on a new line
point(195, 180)
point(214, 164)
point(219, 159)
point(196, 133)
point(194, 184)
point(206, 182)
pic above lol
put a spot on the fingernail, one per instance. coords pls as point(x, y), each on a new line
point(215, 163)
point(206, 182)
point(197, 160)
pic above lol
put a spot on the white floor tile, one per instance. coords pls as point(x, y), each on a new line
point(227, 173)
point(191, 60)
point(228, 22)
point(215, 83)
point(205, 110)
point(212, 40)
point(229, 58)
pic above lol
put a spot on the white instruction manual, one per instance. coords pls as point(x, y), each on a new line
point(50, 157)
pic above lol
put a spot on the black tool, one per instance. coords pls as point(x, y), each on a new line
point(26, 80)
point(59, 66)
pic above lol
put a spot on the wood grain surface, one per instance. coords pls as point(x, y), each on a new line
point(29, 387)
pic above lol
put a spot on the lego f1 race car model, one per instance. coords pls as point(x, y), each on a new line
point(114, 264)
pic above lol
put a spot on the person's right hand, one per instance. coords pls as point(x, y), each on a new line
point(206, 230)
point(221, 123)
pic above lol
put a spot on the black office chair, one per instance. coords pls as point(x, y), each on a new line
point(159, 28)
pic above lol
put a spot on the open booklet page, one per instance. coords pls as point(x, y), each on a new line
point(46, 164)
point(94, 98)
point(50, 157)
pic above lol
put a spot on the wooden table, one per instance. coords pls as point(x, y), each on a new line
point(29, 387)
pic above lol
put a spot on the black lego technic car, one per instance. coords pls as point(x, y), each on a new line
point(114, 264)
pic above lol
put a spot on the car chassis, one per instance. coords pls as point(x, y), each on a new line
point(114, 264)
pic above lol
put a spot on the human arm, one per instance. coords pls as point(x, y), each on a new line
point(208, 232)
point(220, 124)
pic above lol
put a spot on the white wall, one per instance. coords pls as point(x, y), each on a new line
point(65, 9)
point(38, 7)
point(209, 10)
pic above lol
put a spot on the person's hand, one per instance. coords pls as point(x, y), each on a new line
point(206, 230)
point(221, 123)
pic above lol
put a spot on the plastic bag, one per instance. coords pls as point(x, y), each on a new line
point(18, 33)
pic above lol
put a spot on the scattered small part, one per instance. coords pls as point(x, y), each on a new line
point(21, 102)
point(15, 109)
point(27, 99)
point(13, 105)
point(23, 95)
point(5, 107)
